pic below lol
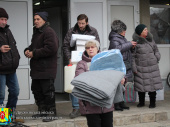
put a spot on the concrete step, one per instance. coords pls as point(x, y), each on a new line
point(120, 119)
point(141, 115)
point(139, 118)
point(135, 117)
point(151, 124)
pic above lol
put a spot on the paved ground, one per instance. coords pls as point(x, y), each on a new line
point(64, 108)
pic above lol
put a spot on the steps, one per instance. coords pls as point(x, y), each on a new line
point(140, 119)
point(142, 116)
point(151, 124)
point(135, 117)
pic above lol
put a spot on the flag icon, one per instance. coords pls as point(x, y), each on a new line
point(5, 116)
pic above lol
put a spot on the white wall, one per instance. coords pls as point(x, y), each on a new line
point(164, 63)
point(20, 21)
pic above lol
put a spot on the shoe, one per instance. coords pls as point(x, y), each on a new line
point(75, 113)
point(141, 105)
point(117, 107)
point(141, 99)
point(19, 120)
point(37, 116)
point(152, 106)
point(52, 116)
point(152, 96)
point(122, 105)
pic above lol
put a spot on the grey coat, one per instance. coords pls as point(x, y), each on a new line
point(118, 41)
point(145, 64)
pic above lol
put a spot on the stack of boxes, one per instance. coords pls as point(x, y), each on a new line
point(69, 71)
point(79, 41)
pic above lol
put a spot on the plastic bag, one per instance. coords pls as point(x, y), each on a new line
point(130, 93)
point(108, 60)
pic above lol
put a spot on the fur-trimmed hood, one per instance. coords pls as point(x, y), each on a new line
point(141, 40)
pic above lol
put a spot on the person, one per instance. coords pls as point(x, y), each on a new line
point(43, 64)
point(9, 61)
point(118, 41)
point(145, 66)
point(81, 27)
point(96, 116)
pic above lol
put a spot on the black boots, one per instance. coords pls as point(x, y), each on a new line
point(41, 112)
point(51, 114)
point(152, 96)
point(141, 99)
point(120, 106)
point(117, 107)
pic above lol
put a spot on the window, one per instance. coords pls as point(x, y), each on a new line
point(160, 24)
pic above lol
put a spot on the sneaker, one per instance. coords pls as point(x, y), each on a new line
point(75, 113)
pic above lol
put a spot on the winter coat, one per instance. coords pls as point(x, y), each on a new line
point(44, 45)
point(75, 30)
point(145, 64)
point(118, 41)
point(9, 61)
point(86, 107)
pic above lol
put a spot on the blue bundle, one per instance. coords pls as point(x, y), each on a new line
point(108, 60)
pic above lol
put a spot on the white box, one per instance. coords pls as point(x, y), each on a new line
point(76, 37)
point(81, 42)
point(76, 56)
point(159, 95)
point(80, 47)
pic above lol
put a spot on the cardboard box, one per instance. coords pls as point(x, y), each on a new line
point(76, 56)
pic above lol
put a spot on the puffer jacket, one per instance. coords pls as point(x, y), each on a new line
point(145, 64)
point(9, 61)
point(75, 30)
point(118, 41)
point(86, 107)
point(44, 46)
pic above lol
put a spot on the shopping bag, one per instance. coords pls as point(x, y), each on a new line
point(130, 93)
point(69, 73)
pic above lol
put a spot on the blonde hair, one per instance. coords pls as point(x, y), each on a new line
point(92, 42)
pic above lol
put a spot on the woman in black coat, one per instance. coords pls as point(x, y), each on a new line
point(118, 41)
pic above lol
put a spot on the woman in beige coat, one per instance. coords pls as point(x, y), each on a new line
point(145, 66)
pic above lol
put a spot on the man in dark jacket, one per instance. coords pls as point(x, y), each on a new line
point(81, 27)
point(9, 61)
point(43, 64)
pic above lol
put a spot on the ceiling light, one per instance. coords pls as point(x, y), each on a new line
point(38, 3)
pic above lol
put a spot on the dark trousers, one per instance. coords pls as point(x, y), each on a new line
point(43, 91)
point(100, 120)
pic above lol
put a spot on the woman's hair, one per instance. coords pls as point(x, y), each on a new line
point(92, 43)
point(118, 26)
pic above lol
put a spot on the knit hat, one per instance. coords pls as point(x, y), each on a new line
point(140, 28)
point(43, 15)
point(3, 13)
